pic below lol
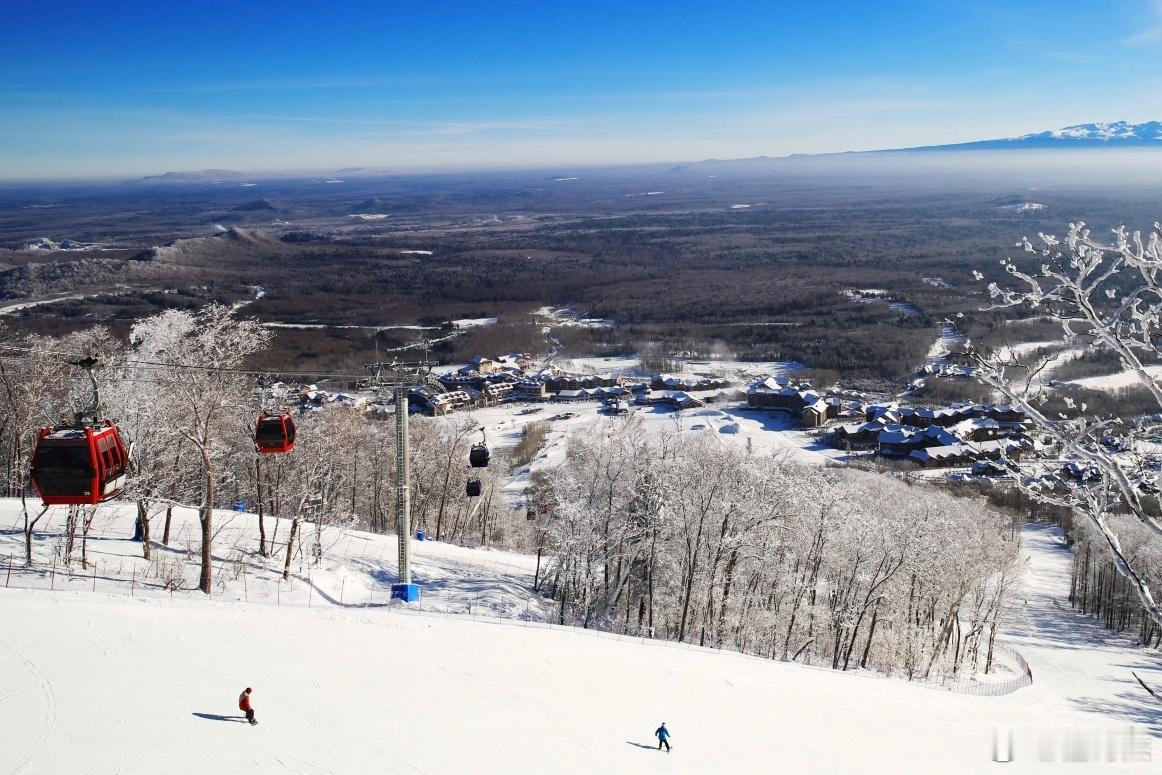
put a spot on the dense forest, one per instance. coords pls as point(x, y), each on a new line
point(683, 272)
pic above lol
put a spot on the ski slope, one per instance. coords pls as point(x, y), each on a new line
point(102, 682)
point(357, 568)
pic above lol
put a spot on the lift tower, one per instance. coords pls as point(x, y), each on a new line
point(402, 376)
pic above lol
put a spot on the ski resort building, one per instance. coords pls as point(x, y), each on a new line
point(558, 382)
point(531, 389)
point(437, 404)
point(689, 382)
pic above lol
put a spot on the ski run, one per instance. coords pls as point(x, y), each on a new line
point(105, 671)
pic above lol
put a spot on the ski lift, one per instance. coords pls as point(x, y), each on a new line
point(79, 466)
point(474, 488)
point(274, 433)
point(82, 464)
point(479, 454)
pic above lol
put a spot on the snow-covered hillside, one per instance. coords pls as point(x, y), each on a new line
point(1100, 134)
point(101, 682)
point(1111, 132)
point(356, 570)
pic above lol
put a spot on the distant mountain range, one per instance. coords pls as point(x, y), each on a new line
point(1119, 134)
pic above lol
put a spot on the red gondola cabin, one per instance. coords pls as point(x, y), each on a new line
point(83, 466)
point(274, 433)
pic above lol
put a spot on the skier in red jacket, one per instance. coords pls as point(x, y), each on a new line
point(244, 705)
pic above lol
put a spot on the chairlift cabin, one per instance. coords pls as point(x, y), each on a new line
point(274, 433)
point(478, 456)
point(473, 489)
point(79, 465)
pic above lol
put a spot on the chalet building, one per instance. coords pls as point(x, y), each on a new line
point(676, 399)
point(557, 383)
point(965, 453)
point(779, 394)
point(936, 436)
point(493, 392)
point(531, 389)
point(922, 418)
point(902, 440)
point(460, 380)
point(481, 364)
point(512, 364)
point(815, 415)
point(688, 382)
point(943, 456)
point(515, 361)
point(857, 435)
point(580, 394)
point(885, 413)
point(607, 393)
point(774, 394)
point(1004, 414)
point(475, 379)
point(998, 448)
point(979, 429)
point(440, 403)
point(897, 441)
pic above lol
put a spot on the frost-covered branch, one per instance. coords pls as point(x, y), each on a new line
point(1108, 297)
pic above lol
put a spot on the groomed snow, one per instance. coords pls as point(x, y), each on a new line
point(100, 682)
point(1118, 381)
point(474, 322)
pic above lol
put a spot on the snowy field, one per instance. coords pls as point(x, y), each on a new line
point(101, 682)
point(630, 366)
point(357, 568)
point(763, 433)
point(1119, 381)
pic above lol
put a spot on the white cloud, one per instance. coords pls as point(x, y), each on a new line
point(1153, 32)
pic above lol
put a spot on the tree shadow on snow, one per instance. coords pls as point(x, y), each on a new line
point(1133, 706)
point(219, 717)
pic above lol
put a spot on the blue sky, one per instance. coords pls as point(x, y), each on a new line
point(118, 88)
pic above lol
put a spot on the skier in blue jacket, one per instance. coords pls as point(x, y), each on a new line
point(663, 736)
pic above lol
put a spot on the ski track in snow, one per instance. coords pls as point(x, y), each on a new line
point(45, 690)
point(341, 689)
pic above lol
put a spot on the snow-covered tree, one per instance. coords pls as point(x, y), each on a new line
point(1107, 294)
point(679, 537)
point(196, 360)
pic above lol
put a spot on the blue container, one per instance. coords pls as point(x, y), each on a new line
point(240, 505)
point(409, 593)
point(419, 535)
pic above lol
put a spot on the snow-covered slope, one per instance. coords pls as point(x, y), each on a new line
point(1111, 133)
point(356, 570)
point(96, 682)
